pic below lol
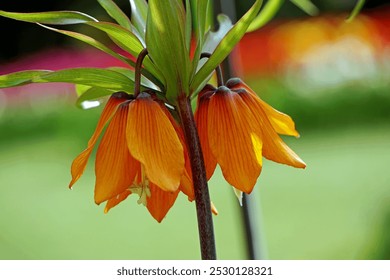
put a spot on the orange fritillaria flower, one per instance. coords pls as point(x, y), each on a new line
point(236, 129)
point(141, 152)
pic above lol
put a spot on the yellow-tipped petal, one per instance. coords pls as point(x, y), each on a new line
point(112, 202)
point(160, 202)
point(201, 119)
point(152, 140)
point(115, 168)
point(273, 146)
point(282, 123)
point(80, 162)
point(230, 136)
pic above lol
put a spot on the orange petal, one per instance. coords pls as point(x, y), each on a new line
point(282, 123)
point(160, 202)
point(186, 184)
point(201, 120)
point(233, 140)
point(80, 162)
point(273, 146)
point(152, 140)
point(112, 202)
point(115, 168)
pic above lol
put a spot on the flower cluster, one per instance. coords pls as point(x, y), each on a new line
point(142, 151)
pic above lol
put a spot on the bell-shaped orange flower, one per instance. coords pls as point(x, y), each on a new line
point(140, 153)
point(236, 128)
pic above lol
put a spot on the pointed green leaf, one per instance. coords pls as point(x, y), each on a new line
point(225, 47)
point(20, 78)
point(60, 17)
point(90, 41)
point(212, 39)
point(122, 37)
point(165, 38)
point(200, 12)
point(126, 40)
point(359, 5)
point(201, 18)
point(188, 25)
point(307, 6)
point(267, 13)
point(116, 13)
point(139, 11)
point(129, 73)
point(88, 93)
point(94, 77)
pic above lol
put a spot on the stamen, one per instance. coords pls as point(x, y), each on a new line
point(142, 188)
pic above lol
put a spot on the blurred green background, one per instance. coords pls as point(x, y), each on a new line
point(338, 208)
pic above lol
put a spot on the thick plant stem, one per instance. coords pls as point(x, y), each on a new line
point(202, 197)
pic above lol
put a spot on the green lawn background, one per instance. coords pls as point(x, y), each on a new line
point(338, 208)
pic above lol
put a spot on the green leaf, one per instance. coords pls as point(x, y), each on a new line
point(91, 93)
point(80, 89)
point(224, 48)
point(307, 6)
point(122, 37)
point(212, 39)
point(267, 13)
point(200, 12)
point(20, 78)
point(60, 17)
point(129, 42)
point(129, 73)
point(90, 41)
point(116, 13)
point(201, 16)
point(356, 10)
point(188, 25)
point(165, 39)
point(88, 93)
point(139, 12)
point(94, 77)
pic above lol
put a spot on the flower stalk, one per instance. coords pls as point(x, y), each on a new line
point(137, 72)
point(202, 197)
point(218, 70)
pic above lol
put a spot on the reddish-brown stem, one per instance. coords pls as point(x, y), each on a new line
point(138, 66)
point(218, 70)
point(202, 197)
